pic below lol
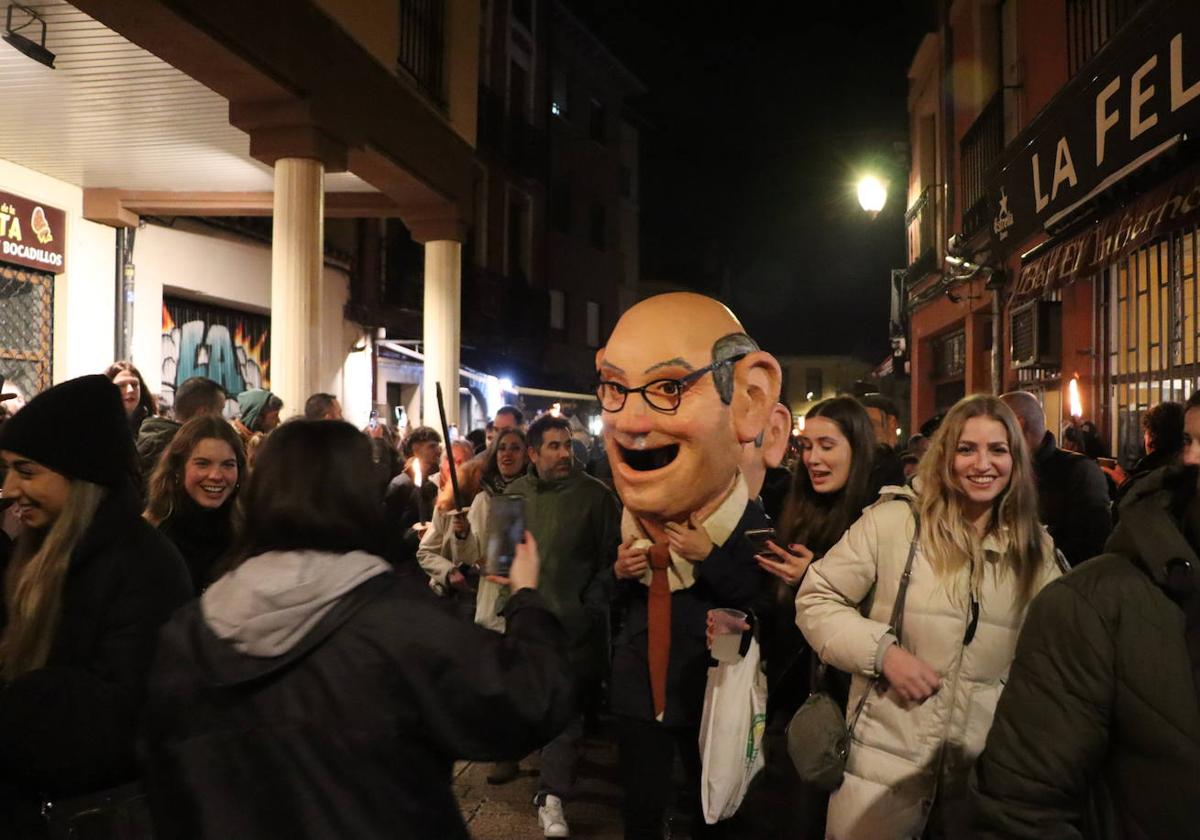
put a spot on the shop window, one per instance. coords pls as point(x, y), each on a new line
point(26, 330)
point(1150, 334)
point(950, 355)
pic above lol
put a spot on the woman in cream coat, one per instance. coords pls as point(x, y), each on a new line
point(981, 556)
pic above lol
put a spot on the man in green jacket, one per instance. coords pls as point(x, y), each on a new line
point(1097, 734)
point(576, 523)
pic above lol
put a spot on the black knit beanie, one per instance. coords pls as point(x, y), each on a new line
point(77, 428)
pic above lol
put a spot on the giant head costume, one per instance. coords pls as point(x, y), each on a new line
point(682, 388)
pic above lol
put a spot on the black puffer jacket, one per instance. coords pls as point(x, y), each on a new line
point(202, 536)
point(353, 732)
point(69, 728)
point(1073, 500)
point(1097, 734)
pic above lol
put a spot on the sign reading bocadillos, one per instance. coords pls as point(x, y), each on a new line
point(33, 235)
point(1139, 98)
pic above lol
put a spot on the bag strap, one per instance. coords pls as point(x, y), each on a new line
point(897, 620)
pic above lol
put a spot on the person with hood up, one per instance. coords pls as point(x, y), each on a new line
point(1097, 733)
point(310, 694)
point(86, 588)
point(193, 494)
point(258, 416)
point(969, 554)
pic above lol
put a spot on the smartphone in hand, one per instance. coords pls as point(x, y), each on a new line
point(506, 529)
point(759, 537)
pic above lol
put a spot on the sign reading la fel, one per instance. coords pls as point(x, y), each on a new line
point(32, 235)
point(1114, 116)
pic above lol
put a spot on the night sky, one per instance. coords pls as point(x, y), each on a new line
point(758, 117)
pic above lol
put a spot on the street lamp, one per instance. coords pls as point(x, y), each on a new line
point(872, 194)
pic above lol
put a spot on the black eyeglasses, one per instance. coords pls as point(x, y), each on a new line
point(662, 395)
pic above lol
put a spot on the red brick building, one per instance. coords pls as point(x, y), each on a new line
point(1051, 139)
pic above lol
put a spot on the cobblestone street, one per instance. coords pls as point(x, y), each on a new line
point(506, 812)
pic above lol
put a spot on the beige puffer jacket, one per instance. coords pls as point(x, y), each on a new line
point(903, 755)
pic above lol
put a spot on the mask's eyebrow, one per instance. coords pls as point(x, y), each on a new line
point(669, 363)
point(610, 366)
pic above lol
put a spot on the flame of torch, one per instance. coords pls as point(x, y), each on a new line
point(417, 472)
point(556, 410)
point(1073, 399)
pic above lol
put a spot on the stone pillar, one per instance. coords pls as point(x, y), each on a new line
point(297, 260)
point(442, 328)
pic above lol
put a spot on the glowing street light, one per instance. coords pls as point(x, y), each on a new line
point(872, 194)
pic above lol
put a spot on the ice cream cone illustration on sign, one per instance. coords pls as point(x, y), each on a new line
point(41, 227)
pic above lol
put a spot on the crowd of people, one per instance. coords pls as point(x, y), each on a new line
point(267, 627)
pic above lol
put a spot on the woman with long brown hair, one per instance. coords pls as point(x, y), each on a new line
point(85, 590)
point(193, 494)
point(968, 554)
point(136, 397)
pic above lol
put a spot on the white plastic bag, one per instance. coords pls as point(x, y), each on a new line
point(731, 732)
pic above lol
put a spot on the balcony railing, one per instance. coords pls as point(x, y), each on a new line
point(1090, 25)
point(980, 149)
point(926, 230)
point(423, 44)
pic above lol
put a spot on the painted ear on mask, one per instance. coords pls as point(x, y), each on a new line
point(756, 383)
point(779, 429)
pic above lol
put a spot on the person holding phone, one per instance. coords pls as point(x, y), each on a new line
point(313, 670)
point(831, 484)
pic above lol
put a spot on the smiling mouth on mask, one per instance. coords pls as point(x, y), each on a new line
point(645, 460)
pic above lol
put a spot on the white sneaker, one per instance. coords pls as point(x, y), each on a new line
point(552, 819)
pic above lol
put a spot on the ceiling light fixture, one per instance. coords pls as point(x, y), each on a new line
point(34, 49)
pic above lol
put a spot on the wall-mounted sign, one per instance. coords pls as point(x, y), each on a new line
point(1167, 207)
point(1138, 99)
point(32, 235)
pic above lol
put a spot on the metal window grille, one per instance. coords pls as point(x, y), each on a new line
point(26, 330)
point(981, 148)
point(1091, 24)
point(422, 44)
point(950, 355)
point(1152, 339)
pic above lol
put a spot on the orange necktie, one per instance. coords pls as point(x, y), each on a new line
point(658, 625)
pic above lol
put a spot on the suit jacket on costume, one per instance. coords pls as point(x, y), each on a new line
point(728, 577)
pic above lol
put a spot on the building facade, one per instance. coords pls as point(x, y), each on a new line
point(158, 114)
point(1054, 140)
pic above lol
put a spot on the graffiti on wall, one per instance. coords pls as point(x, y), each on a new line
point(225, 345)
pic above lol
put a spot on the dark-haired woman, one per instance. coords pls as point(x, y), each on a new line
point(85, 591)
point(832, 482)
point(137, 399)
point(309, 694)
point(193, 493)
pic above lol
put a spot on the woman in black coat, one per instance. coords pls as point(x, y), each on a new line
point(193, 494)
point(309, 693)
point(87, 586)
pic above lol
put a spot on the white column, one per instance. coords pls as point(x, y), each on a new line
point(443, 290)
point(297, 259)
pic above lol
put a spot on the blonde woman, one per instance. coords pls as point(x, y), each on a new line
point(927, 700)
point(85, 590)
